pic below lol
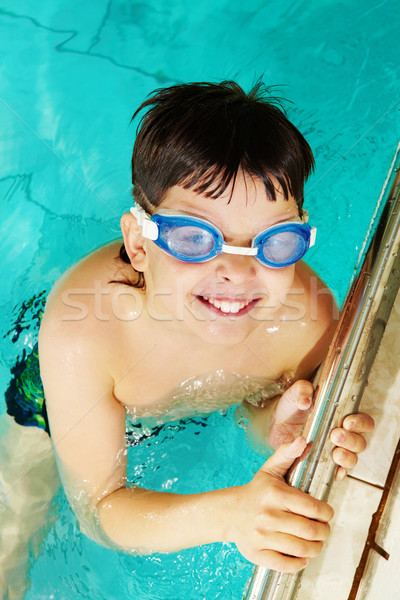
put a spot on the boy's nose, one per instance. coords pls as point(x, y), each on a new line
point(235, 268)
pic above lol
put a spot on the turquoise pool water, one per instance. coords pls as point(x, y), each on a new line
point(72, 74)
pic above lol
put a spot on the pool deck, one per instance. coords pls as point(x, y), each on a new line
point(332, 576)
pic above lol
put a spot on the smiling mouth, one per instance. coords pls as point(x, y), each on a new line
point(226, 307)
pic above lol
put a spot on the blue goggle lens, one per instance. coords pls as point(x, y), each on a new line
point(284, 248)
point(189, 241)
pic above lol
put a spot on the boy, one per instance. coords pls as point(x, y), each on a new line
point(209, 284)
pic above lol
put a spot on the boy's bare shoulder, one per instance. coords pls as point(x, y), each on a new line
point(322, 305)
point(317, 326)
point(85, 307)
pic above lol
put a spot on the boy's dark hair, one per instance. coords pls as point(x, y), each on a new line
point(200, 135)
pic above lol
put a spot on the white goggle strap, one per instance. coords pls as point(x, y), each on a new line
point(148, 227)
point(313, 235)
point(239, 250)
point(313, 232)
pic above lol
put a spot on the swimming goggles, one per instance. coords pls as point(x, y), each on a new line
point(195, 240)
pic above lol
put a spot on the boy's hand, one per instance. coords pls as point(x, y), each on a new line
point(276, 525)
point(291, 412)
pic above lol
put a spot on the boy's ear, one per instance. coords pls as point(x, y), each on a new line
point(134, 242)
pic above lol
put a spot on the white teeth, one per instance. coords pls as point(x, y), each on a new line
point(226, 306)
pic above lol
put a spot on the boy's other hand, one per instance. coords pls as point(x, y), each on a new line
point(291, 413)
point(276, 525)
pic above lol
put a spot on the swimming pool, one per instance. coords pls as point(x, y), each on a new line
point(72, 75)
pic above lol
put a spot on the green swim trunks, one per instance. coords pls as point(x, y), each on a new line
point(25, 396)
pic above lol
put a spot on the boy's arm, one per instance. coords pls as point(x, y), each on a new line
point(88, 431)
point(272, 524)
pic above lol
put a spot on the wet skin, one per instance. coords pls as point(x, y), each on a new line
point(128, 349)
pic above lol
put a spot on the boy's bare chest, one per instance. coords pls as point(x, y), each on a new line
point(167, 382)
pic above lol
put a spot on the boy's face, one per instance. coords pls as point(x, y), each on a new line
point(201, 299)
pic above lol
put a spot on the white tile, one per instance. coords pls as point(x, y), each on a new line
point(381, 400)
point(330, 575)
point(382, 576)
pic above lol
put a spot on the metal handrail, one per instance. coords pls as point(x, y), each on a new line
point(343, 375)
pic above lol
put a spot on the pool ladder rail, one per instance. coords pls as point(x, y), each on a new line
point(342, 377)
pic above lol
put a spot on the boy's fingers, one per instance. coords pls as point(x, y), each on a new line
point(340, 473)
point(279, 562)
point(344, 458)
point(293, 546)
point(303, 504)
point(297, 398)
point(284, 457)
point(300, 394)
point(359, 423)
point(303, 527)
point(354, 442)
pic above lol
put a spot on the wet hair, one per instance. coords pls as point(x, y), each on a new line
point(201, 135)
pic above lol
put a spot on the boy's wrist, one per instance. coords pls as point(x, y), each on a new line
point(226, 506)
